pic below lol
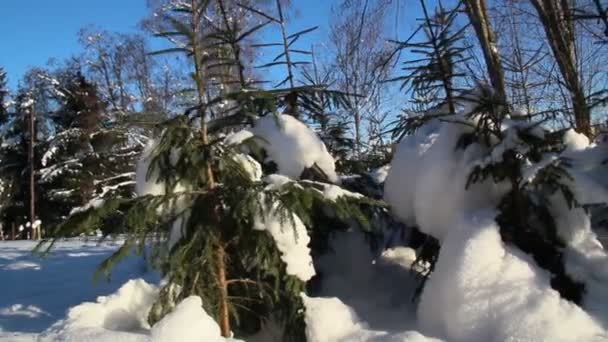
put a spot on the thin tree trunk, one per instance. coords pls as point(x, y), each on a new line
point(224, 314)
point(30, 157)
point(559, 28)
point(478, 15)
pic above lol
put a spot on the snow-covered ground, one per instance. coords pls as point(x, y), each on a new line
point(36, 292)
point(55, 299)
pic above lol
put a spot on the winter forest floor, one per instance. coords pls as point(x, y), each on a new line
point(37, 292)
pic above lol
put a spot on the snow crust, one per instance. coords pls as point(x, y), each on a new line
point(293, 146)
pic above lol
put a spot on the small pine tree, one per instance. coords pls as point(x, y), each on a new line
point(435, 73)
point(208, 214)
point(525, 159)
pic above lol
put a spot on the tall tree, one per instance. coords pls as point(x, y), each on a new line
point(478, 15)
point(88, 160)
point(558, 23)
point(358, 44)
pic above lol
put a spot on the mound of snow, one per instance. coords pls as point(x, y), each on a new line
point(293, 146)
point(330, 320)
point(187, 323)
point(482, 290)
point(117, 316)
point(426, 184)
point(121, 317)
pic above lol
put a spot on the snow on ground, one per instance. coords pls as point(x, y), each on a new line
point(36, 292)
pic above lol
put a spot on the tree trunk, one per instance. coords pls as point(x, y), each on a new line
point(478, 15)
point(30, 156)
point(559, 27)
point(224, 313)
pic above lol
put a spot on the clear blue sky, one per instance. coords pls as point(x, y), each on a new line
point(32, 31)
point(35, 30)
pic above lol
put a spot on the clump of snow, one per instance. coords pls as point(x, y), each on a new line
point(27, 104)
point(379, 175)
point(575, 141)
point(293, 146)
point(276, 181)
point(333, 192)
point(426, 185)
point(152, 185)
point(330, 320)
point(148, 185)
point(292, 240)
point(187, 323)
point(482, 290)
point(48, 155)
point(250, 165)
point(238, 137)
point(125, 310)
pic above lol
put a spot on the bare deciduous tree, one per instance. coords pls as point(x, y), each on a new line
point(359, 46)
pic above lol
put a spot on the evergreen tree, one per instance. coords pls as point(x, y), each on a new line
point(88, 160)
point(526, 160)
point(202, 201)
point(435, 73)
point(14, 165)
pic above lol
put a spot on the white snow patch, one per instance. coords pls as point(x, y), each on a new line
point(330, 320)
point(22, 265)
point(482, 290)
point(379, 175)
point(293, 146)
point(187, 323)
point(29, 311)
point(292, 240)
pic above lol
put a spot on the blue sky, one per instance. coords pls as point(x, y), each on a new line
point(35, 30)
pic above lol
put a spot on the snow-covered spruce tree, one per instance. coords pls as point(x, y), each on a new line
point(219, 229)
point(529, 159)
point(88, 159)
point(528, 169)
